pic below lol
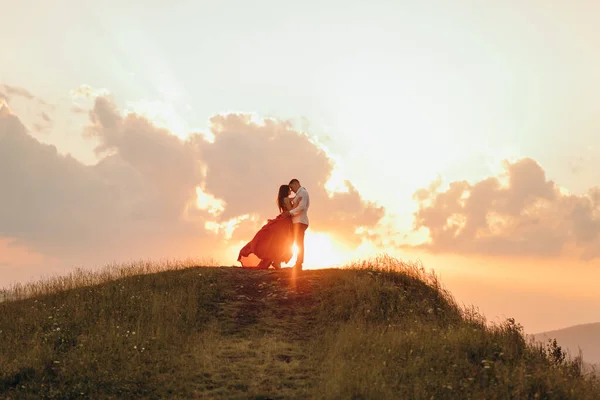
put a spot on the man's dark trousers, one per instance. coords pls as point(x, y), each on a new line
point(299, 229)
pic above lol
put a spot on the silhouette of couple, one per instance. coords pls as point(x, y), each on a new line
point(272, 244)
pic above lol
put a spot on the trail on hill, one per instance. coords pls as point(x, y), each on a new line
point(265, 329)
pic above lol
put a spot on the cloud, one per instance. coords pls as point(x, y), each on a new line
point(11, 254)
point(250, 158)
point(17, 91)
point(31, 107)
point(86, 91)
point(170, 166)
point(520, 213)
point(121, 207)
point(153, 194)
point(78, 110)
point(7, 92)
point(43, 125)
point(19, 264)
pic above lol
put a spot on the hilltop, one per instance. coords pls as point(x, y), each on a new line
point(380, 329)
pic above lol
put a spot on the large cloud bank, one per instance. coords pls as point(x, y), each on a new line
point(153, 194)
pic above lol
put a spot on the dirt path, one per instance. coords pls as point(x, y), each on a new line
point(265, 330)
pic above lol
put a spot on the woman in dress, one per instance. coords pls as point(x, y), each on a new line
point(272, 244)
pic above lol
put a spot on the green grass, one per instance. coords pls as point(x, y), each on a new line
point(379, 329)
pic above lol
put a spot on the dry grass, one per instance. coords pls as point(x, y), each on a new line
point(377, 329)
point(80, 277)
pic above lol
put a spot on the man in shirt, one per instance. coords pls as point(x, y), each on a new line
point(299, 219)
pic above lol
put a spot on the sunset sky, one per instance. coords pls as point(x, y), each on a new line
point(463, 134)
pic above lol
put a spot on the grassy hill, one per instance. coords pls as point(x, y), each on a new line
point(378, 330)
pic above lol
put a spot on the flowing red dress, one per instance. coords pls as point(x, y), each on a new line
point(272, 242)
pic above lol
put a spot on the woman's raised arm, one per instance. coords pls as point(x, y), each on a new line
point(296, 202)
point(289, 204)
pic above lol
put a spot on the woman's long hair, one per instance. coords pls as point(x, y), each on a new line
point(284, 191)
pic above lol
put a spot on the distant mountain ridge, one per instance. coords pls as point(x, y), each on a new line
point(585, 337)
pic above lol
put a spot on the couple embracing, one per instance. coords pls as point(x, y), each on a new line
point(272, 244)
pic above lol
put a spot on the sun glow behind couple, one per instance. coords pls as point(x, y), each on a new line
point(321, 251)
